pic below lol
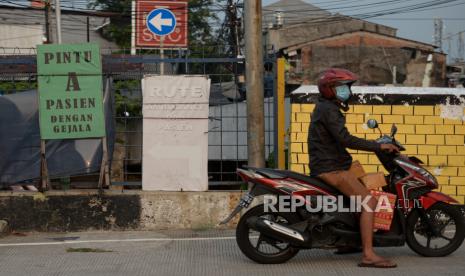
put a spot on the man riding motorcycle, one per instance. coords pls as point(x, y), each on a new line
point(329, 160)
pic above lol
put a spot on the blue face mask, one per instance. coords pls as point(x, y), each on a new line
point(343, 93)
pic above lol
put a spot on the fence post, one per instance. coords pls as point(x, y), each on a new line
point(280, 115)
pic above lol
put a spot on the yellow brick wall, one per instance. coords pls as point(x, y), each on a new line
point(439, 142)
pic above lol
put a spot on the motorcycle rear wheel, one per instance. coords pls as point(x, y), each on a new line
point(436, 214)
point(253, 252)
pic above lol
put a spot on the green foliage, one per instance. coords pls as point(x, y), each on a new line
point(127, 84)
point(119, 29)
point(270, 161)
point(199, 20)
point(7, 87)
point(124, 104)
point(121, 6)
point(120, 33)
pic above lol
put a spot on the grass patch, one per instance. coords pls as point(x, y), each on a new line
point(87, 250)
point(202, 227)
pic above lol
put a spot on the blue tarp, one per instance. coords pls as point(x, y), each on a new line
point(20, 142)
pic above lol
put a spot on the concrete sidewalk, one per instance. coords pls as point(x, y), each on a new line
point(188, 253)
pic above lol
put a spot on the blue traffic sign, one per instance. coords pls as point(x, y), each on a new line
point(161, 22)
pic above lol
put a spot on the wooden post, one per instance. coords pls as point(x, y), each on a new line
point(254, 83)
point(43, 168)
point(107, 164)
point(105, 167)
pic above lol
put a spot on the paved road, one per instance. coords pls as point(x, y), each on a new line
point(188, 253)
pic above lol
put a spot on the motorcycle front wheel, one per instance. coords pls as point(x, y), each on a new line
point(260, 248)
point(449, 223)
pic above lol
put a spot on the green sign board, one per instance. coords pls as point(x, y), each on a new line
point(70, 91)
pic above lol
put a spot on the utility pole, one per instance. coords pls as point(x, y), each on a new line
point(254, 83)
point(133, 27)
point(58, 16)
point(438, 27)
point(234, 35)
point(47, 21)
point(449, 48)
point(460, 47)
point(88, 29)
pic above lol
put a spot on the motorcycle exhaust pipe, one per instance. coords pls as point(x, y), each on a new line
point(278, 231)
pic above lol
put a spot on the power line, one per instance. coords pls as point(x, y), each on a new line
point(108, 13)
point(421, 18)
point(313, 21)
point(390, 2)
point(339, 18)
point(404, 9)
point(17, 37)
point(438, 28)
point(452, 35)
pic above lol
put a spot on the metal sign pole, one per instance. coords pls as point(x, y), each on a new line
point(162, 56)
point(133, 28)
point(58, 19)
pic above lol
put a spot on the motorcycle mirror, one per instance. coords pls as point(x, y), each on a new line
point(372, 123)
point(393, 130)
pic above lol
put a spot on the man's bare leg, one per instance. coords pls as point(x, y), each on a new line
point(349, 185)
point(366, 231)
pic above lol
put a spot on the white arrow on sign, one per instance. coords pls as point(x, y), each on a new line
point(158, 21)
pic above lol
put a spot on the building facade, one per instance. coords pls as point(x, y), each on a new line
point(312, 39)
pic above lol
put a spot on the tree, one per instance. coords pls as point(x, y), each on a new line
point(119, 29)
point(231, 30)
point(201, 16)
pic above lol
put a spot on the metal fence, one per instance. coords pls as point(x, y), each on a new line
point(228, 113)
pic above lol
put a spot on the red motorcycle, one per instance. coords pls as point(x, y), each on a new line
point(427, 220)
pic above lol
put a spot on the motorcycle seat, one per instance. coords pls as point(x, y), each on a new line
point(272, 173)
point(315, 181)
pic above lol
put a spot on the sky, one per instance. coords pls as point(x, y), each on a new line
point(416, 25)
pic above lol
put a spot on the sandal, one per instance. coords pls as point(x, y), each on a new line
point(379, 264)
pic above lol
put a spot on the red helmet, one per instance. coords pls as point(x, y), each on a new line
point(333, 77)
